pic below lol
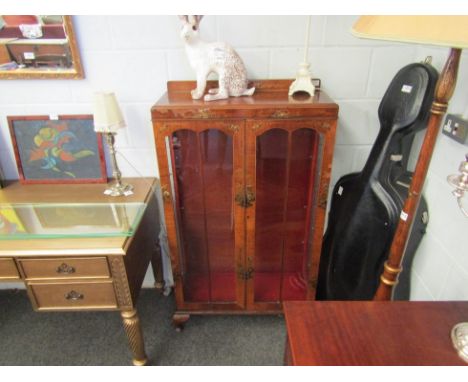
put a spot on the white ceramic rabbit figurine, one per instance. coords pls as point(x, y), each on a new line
point(217, 57)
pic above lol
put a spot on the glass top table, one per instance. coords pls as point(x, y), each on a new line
point(68, 220)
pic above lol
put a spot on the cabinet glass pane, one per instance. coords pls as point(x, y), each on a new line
point(272, 153)
point(284, 183)
point(300, 186)
point(203, 167)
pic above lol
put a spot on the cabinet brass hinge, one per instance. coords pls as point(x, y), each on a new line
point(313, 283)
point(165, 193)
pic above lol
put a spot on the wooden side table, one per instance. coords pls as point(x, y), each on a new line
point(368, 333)
point(66, 272)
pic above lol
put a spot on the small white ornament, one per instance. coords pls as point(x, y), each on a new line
point(31, 30)
point(214, 57)
point(303, 82)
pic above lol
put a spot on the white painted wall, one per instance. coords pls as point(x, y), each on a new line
point(135, 56)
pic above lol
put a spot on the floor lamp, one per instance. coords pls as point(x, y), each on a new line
point(449, 31)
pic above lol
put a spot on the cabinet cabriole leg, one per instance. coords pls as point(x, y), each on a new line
point(179, 320)
point(131, 323)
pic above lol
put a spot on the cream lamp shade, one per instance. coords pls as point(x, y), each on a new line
point(450, 31)
point(108, 117)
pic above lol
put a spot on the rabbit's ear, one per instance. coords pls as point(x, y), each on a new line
point(183, 18)
point(195, 20)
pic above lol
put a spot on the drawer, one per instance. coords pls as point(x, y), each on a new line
point(8, 270)
point(73, 295)
point(69, 268)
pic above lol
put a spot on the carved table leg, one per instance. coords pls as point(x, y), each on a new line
point(132, 328)
point(156, 265)
point(179, 320)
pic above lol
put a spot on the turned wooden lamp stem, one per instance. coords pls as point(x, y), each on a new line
point(443, 93)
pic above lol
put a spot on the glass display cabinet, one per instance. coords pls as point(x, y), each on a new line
point(245, 185)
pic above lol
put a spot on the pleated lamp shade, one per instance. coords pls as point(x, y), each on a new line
point(450, 31)
point(108, 117)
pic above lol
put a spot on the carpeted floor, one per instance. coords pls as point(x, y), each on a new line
point(98, 338)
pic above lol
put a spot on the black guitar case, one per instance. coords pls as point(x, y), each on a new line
point(366, 206)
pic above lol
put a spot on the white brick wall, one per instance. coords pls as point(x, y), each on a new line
point(135, 56)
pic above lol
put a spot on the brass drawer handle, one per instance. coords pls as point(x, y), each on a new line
point(66, 269)
point(74, 296)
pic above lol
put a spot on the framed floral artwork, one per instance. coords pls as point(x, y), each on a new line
point(65, 149)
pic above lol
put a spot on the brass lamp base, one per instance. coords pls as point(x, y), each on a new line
point(119, 189)
point(460, 339)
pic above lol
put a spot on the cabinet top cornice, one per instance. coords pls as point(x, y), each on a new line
point(269, 95)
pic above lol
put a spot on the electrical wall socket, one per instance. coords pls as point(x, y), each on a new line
point(456, 128)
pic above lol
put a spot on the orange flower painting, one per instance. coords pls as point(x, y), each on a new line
point(61, 151)
point(54, 145)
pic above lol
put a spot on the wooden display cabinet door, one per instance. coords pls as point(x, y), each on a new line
point(201, 166)
point(284, 173)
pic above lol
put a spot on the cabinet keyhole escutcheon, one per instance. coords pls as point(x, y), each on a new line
point(245, 198)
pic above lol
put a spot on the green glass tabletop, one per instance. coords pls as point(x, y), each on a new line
point(36, 221)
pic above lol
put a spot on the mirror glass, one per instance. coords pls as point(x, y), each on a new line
point(33, 46)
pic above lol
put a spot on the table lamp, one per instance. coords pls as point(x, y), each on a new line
point(452, 32)
point(108, 120)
